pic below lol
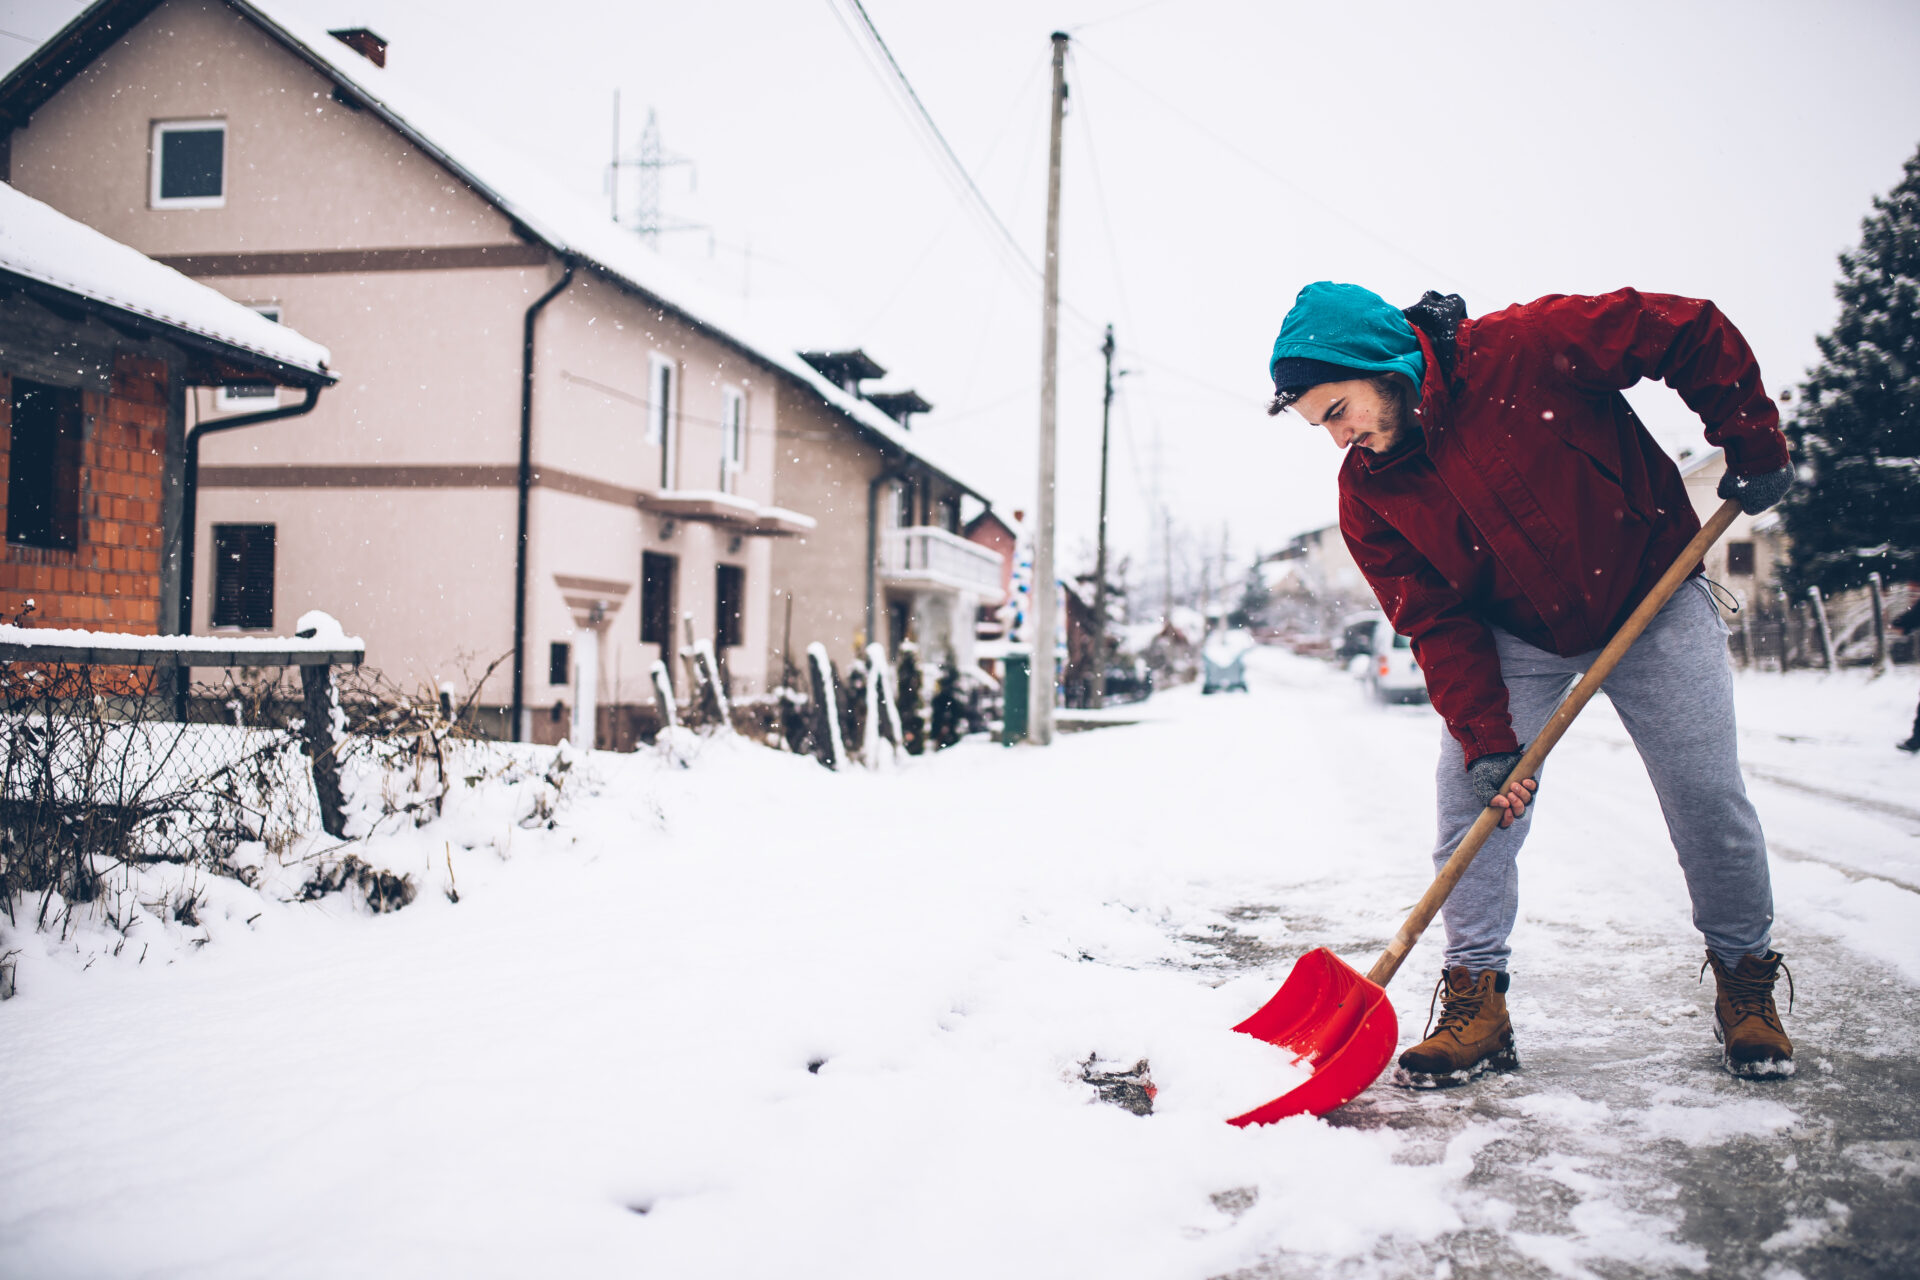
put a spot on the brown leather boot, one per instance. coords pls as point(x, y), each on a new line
point(1745, 1019)
point(1474, 1034)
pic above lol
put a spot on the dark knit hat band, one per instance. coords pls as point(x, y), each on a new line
point(1297, 373)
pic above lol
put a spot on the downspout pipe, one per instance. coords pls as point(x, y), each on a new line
point(516, 730)
point(899, 470)
point(189, 506)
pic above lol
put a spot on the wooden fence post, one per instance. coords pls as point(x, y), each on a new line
point(886, 698)
point(663, 695)
point(826, 715)
point(1826, 634)
point(321, 732)
point(708, 692)
point(1879, 625)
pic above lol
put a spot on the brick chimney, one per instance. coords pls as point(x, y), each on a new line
point(366, 43)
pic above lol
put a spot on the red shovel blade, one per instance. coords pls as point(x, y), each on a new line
point(1341, 1025)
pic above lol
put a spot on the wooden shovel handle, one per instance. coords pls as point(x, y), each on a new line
point(1588, 685)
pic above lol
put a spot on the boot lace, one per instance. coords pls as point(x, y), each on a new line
point(1460, 1008)
point(1750, 993)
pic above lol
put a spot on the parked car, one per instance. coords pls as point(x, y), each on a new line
point(1225, 657)
point(1383, 660)
point(1356, 635)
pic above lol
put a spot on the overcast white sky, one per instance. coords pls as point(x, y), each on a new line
point(1218, 156)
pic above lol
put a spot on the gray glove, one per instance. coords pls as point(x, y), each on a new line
point(1756, 493)
point(1488, 772)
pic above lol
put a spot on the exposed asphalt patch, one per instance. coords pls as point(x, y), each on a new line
point(1622, 1149)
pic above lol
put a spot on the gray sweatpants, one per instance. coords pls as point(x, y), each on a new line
point(1674, 693)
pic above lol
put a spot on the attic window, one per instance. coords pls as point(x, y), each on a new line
point(189, 164)
point(368, 45)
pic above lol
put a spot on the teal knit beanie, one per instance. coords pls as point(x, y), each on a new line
point(1337, 331)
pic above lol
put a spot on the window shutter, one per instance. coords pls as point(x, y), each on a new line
point(243, 576)
point(43, 475)
point(729, 599)
point(656, 602)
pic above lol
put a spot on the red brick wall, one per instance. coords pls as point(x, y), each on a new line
point(111, 581)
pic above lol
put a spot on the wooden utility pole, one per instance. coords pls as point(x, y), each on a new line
point(1045, 599)
point(1166, 551)
point(1097, 695)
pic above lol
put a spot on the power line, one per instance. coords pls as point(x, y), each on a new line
point(1100, 194)
point(1260, 167)
point(881, 60)
point(1006, 128)
point(1117, 17)
point(868, 37)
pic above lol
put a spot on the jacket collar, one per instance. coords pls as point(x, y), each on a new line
point(1433, 414)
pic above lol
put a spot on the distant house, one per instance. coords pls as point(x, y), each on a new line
point(548, 448)
point(1327, 567)
point(1173, 651)
point(887, 559)
point(1002, 539)
point(100, 349)
point(1747, 559)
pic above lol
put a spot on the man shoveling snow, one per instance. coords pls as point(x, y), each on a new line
point(1510, 511)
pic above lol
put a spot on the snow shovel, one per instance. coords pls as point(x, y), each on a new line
point(1340, 1023)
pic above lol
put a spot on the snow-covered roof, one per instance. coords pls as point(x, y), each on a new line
point(39, 243)
point(558, 218)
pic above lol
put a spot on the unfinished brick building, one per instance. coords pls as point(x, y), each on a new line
point(98, 346)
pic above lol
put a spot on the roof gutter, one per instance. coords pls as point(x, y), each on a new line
point(516, 728)
point(189, 505)
point(899, 469)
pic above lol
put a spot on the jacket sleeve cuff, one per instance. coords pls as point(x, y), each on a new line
point(1485, 738)
point(1757, 455)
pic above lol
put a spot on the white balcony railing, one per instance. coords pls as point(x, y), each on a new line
point(927, 556)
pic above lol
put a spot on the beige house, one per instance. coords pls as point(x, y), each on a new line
point(1323, 567)
point(547, 449)
point(884, 506)
point(1747, 559)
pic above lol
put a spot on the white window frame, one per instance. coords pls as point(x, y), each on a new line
point(225, 399)
point(662, 421)
point(733, 437)
point(154, 151)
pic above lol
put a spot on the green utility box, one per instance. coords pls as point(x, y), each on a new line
point(1015, 691)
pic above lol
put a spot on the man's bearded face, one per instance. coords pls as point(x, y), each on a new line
point(1359, 413)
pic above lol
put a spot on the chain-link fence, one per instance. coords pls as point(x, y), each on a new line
point(98, 770)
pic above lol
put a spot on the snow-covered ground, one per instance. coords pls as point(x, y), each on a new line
point(733, 1016)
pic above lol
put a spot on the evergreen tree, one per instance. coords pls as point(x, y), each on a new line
point(1858, 427)
point(852, 693)
point(913, 720)
point(1255, 599)
point(949, 723)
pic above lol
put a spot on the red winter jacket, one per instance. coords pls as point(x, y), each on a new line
point(1535, 501)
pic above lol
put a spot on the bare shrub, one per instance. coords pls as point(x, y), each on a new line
point(384, 890)
point(96, 773)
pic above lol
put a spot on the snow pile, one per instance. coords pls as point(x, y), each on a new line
point(710, 1010)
